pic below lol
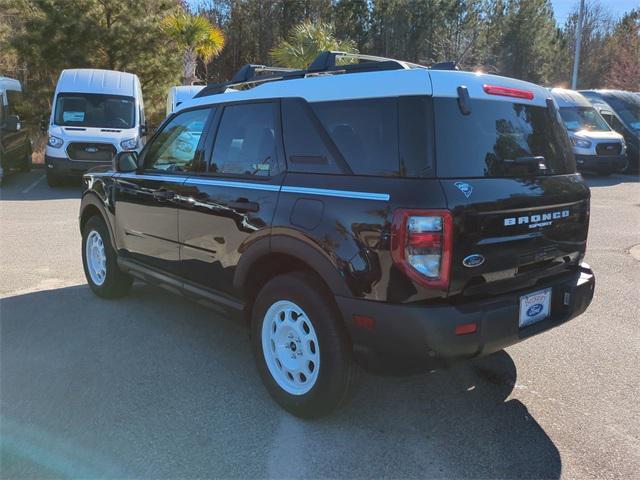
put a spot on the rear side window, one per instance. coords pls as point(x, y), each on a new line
point(382, 136)
point(497, 138)
point(246, 141)
point(365, 132)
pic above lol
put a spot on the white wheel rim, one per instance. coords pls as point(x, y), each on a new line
point(96, 258)
point(290, 347)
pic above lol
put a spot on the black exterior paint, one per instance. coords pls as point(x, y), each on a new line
point(207, 238)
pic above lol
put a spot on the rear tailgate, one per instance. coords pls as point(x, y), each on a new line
point(504, 161)
point(514, 233)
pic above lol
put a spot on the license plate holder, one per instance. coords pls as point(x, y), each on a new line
point(534, 307)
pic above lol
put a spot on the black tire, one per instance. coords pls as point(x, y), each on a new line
point(337, 370)
point(26, 166)
point(53, 180)
point(116, 283)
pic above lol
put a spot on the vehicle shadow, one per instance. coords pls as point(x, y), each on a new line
point(595, 181)
point(33, 186)
point(153, 386)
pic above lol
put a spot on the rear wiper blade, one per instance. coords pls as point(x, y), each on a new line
point(538, 162)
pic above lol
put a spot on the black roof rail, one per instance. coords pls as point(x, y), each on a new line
point(325, 62)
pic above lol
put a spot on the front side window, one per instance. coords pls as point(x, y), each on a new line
point(95, 110)
point(246, 141)
point(498, 139)
point(583, 118)
point(175, 148)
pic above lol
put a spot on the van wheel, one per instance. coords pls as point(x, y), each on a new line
point(53, 180)
point(26, 165)
point(301, 347)
point(99, 260)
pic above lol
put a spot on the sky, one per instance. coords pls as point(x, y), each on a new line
point(563, 8)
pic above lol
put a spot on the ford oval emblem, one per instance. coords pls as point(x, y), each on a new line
point(474, 260)
point(534, 310)
point(91, 149)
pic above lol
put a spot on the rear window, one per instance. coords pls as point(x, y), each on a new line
point(497, 138)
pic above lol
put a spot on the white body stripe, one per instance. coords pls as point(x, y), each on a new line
point(259, 186)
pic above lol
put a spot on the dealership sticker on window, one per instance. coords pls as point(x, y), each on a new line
point(73, 116)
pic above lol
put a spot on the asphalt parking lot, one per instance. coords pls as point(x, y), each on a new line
point(152, 386)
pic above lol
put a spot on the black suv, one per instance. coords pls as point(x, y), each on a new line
point(375, 213)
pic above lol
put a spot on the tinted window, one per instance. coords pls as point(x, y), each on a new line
point(365, 132)
point(95, 110)
point(246, 141)
point(175, 148)
point(416, 136)
point(304, 146)
point(627, 107)
point(496, 138)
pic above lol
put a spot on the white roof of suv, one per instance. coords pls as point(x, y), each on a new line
point(386, 83)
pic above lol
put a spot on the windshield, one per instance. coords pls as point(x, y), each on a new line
point(628, 109)
point(95, 110)
point(499, 139)
point(583, 118)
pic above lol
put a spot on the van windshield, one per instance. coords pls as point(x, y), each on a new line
point(499, 139)
point(95, 110)
point(583, 118)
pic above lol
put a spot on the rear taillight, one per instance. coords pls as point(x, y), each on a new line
point(421, 245)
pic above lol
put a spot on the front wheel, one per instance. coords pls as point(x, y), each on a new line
point(100, 262)
point(301, 347)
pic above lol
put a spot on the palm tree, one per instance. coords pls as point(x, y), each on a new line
point(197, 36)
point(305, 42)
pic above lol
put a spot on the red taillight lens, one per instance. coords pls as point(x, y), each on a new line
point(507, 92)
point(421, 245)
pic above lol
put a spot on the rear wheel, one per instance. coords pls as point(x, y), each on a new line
point(100, 263)
point(301, 347)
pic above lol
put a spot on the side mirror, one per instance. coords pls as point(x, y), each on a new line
point(144, 130)
point(125, 162)
point(44, 124)
point(12, 123)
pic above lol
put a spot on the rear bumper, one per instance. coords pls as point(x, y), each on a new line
point(601, 163)
point(414, 338)
point(63, 167)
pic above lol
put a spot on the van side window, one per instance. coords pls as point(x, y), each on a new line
point(305, 148)
point(16, 103)
point(177, 148)
point(365, 132)
point(246, 141)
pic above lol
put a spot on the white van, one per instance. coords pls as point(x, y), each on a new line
point(96, 114)
point(180, 94)
point(596, 146)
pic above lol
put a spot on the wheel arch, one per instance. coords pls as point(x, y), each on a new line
point(90, 206)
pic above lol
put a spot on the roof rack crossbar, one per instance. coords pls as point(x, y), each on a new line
point(325, 62)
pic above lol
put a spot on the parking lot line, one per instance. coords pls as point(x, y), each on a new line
point(32, 186)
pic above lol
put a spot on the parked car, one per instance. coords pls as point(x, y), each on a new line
point(596, 146)
point(180, 94)
point(317, 205)
point(96, 114)
point(15, 141)
point(621, 110)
